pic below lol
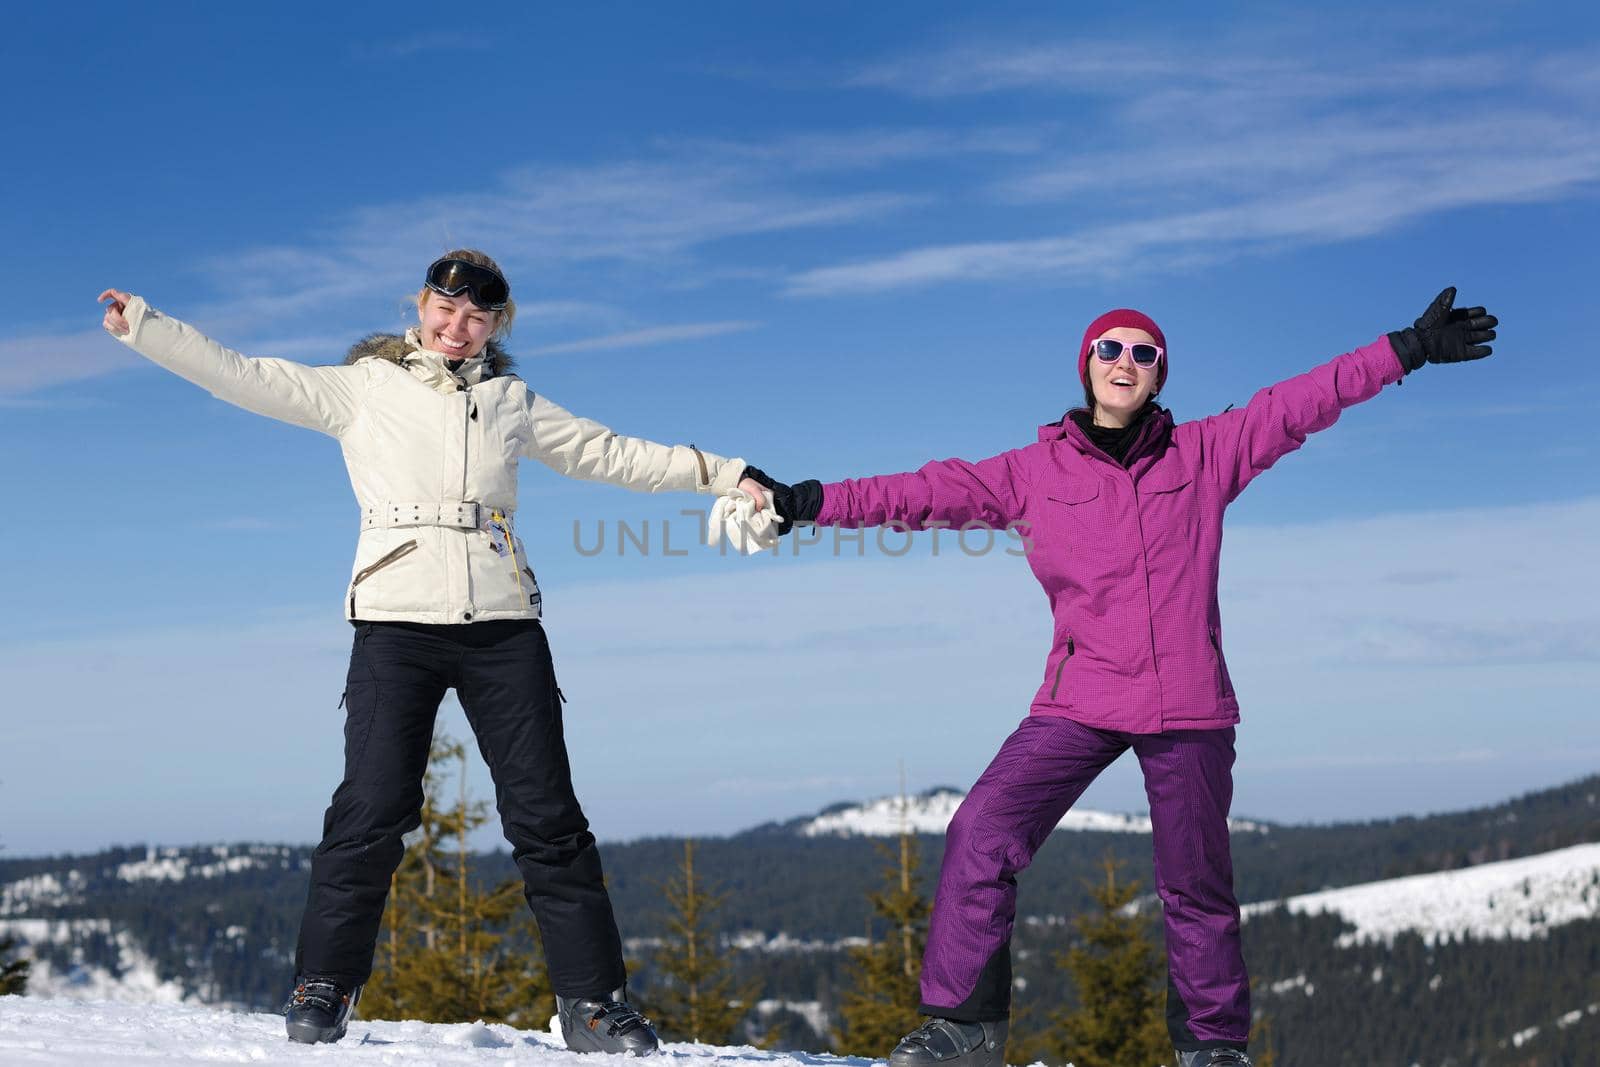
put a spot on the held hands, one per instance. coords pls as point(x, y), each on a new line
point(746, 517)
point(114, 322)
point(750, 485)
point(797, 503)
point(761, 510)
point(1445, 334)
point(748, 520)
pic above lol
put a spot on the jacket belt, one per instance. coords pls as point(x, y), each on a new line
point(462, 514)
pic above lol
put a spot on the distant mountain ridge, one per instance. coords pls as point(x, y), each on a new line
point(930, 812)
point(218, 923)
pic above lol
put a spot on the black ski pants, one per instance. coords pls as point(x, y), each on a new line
point(502, 673)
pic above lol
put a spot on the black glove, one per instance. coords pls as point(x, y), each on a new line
point(1445, 335)
point(797, 503)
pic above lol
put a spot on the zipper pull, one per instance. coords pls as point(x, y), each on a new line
point(473, 414)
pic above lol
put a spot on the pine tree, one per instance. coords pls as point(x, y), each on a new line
point(880, 1003)
point(1120, 976)
point(447, 952)
point(695, 997)
point(13, 974)
point(1261, 1041)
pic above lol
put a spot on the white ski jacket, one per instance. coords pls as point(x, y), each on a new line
point(432, 457)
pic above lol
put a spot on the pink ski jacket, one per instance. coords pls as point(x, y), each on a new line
point(1128, 557)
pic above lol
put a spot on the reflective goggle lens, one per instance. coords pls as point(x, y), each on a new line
point(484, 287)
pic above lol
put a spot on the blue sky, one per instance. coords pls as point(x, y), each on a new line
point(836, 240)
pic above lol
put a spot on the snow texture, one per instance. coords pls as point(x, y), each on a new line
point(1521, 898)
point(931, 812)
point(69, 1033)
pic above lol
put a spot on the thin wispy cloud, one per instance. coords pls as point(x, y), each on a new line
point(650, 217)
point(1273, 62)
point(1360, 206)
point(429, 43)
point(869, 149)
point(28, 363)
point(653, 335)
point(542, 221)
point(1196, 161)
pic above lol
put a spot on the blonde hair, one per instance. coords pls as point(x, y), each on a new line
point(502, 326)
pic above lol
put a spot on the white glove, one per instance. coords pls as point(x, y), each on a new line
point(734, 515)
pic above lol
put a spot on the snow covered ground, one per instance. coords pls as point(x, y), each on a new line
point(68, 1033)
point(930, 813)
point(1519, 898)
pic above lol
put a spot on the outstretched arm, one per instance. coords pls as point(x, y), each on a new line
point(318, 398)
point(949, 492)
point(583, 448)
point(1241, 444)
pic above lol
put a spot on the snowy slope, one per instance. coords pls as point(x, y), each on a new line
point(65, 1033)
point(137, 982)
point(1519, 898)
point(930, 813)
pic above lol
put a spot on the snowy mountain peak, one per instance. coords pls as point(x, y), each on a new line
point(930, 813)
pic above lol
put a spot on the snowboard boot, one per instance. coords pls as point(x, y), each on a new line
point(319, 1009)
point(605, 1024)
point(948, 1043)
point(1213, 1057)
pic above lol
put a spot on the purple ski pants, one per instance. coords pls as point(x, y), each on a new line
point(1039, 773)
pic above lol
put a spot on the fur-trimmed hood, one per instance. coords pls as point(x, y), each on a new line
point(394, 348)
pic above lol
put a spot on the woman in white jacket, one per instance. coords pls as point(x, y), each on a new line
point(441, 596)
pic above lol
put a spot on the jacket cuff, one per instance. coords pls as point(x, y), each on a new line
point(135, 312)
point(1407, 348)
point(725, 473)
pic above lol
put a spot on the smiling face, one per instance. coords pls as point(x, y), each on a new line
point(1121, 388)
point(454, 326)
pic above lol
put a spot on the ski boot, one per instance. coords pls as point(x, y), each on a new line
point(319, 1009)
point(948, 1043)
point(605, 1024)
point(1213, 1057)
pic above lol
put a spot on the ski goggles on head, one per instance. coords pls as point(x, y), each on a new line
point(484, 286)
point(1143, 354)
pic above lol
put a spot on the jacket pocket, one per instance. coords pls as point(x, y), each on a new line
point(1074, 492)
point(1061, 664)
point(394, 555)
point(1163, 483)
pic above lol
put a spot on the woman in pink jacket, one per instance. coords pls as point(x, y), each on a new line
point(1123, 511)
